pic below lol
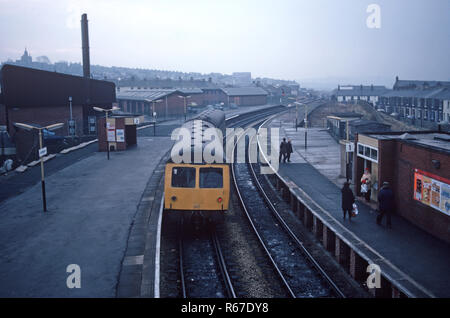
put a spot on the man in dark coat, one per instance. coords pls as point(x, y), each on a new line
point(347, 200)
point(289, 150)
point(283, 148)
point(385, 203)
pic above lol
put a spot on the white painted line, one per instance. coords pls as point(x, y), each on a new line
point(82, 145)
point(134, 260)
point(47, 158)
point(21, 168)
point(33, 163)
point(142, 127)
point(158, 249)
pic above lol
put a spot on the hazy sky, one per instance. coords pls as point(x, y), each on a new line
point(280, 39)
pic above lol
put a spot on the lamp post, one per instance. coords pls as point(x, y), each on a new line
point(347, 168)
point(154, 114)
point(306, 126)
point(296, 114)
point(184, 97)
point(42, 153)
point(71, 122)
point(106, 111)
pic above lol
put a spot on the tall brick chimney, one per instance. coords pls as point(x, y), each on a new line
point(85, 46)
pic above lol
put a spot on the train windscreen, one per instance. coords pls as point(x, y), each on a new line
point(183, 177)
point(211, 178)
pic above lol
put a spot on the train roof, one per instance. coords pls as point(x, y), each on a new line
point(197, 127)
point(214, 116)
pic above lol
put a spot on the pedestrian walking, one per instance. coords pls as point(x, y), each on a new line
point(283, 148)
point(385, 204)
point(366, 184)
point(347, 200)
point(289, 150)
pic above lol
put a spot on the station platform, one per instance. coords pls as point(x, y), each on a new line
point(414, 258)
point(92, 203)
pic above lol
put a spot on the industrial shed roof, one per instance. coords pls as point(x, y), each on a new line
point(144, 94)
point(245, 91)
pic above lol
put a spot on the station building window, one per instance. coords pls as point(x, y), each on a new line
point(368, 152)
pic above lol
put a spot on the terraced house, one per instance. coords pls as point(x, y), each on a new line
point(425, 103)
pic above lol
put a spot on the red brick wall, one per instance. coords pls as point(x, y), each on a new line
point(102, 144)
point(195, 98)
point(211, 97)
point(410, 157)
point(248, 100)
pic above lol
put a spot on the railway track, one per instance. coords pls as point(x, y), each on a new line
point(299, 272)
point(203, 270)
point(210, 276)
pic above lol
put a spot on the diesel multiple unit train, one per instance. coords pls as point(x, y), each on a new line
point(198, 187)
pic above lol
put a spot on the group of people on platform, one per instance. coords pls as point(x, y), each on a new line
point(285, 150)
point(385, 198)
point(385, 195)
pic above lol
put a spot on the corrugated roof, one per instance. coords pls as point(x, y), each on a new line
point(144, 94)
point(190, 90)
point(244, 91)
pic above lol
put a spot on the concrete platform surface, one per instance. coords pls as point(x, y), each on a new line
point(419, 255)
point(91, 205)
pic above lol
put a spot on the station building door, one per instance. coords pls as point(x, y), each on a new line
point(367, 157)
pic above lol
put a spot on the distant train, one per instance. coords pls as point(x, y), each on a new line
point(198, 188)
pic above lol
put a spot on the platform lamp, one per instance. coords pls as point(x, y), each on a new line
point(106, 111)
point(184, 97)
point(154, 113)
point(42, 153)
point(296, 113)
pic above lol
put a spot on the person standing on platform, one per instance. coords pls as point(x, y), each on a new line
point(289, 150)
point(385, 204)
point(347, 200)
point(283, 148)
point(366, 184)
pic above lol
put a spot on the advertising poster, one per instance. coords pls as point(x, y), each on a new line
point(111, 135)
point(432, 190)
point(120, 135)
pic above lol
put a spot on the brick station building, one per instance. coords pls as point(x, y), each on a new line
point(165, 102)
point(41, 98)
point(417, 165)
point(246, 96)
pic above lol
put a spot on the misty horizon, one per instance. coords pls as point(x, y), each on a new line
point(319, 44)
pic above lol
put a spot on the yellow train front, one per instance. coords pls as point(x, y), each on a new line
point(199, 190)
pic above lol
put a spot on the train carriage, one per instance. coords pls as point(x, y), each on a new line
point(199, 188)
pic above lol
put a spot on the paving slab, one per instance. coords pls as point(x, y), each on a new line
point(91, 206)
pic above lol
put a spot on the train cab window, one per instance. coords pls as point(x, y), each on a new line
point(183, 177)
point(211, 178)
